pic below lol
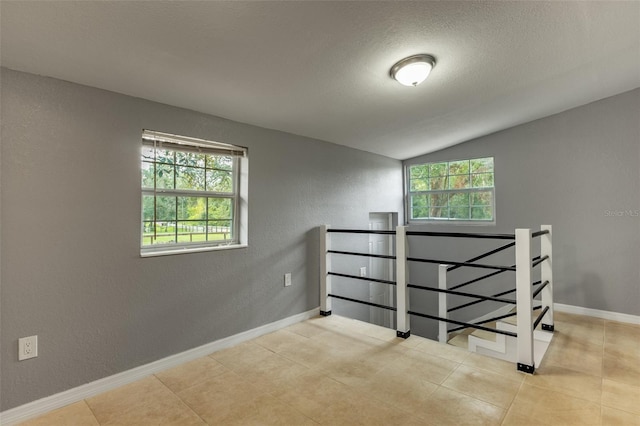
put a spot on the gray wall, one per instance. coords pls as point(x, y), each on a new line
point(577, 170)
point(71, 270)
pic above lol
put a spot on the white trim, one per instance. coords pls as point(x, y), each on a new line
point(186, 250)
point(46, 404)
point(597, 313)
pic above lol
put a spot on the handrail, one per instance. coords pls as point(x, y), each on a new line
point(522, 296)
point(463, 235)
point(355, 277)
point(391, 308)
point(461, 293)
point(471, 265)
point(482, 256)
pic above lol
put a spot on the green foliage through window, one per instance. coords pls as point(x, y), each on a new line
point(452, 190)
point(187, 197)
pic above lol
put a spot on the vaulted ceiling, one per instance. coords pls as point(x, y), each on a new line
point(321, 69)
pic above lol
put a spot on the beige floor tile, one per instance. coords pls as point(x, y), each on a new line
point(162, 412)
point(271, 370)
point(412, 341)
point(539, 406)
point(312, 355)
point(265, 410)
point(625, 335)
point(222, 399)
point(622, 367)
point(406, 392)
point(575, 319)
point(113, 404)
point(450, 352)
point(247, 353)
point(310, 328)
point(422, 366)
point(77, 414)
point(622, 396)
point(191, 373)
point(505, 368)
point(448, 407)
point(335, 370)
point(345, 407)
point(575, 353)
point(280, 340)
point(484, 385)
point(590, 330)
point(613, 417)
point(570, 382)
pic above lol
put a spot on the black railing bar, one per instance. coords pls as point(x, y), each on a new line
point(480, 301)
point(482, 256)
point(539, 289)
point(352, 253)
point(538, 233)
point(465, 324)
point(470, 265)
point(493, 295)
point(511, 314)
point(475, 280)
point(537, 321)
point(356, 277)
point(461, 293)
point(539, 260)
point(463, 235)
point(360, 231)
point(391, 308)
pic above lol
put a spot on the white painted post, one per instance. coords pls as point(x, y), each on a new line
point(524, 301)
point(546, 274)
point(325, 267)
point(402, 293)
point(443, 335)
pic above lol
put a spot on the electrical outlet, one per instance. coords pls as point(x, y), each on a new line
point(27, 347)
point(287, 279)
point(363, 271)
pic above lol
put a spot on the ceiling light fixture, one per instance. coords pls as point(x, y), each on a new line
point(413, 70)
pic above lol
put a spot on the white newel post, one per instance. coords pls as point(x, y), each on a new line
point(325, 267)
point(402, 293)
point(443, 335)
point(524, 301)
point(546, 274)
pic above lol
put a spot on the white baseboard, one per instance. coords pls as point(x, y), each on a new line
point(597, 313)
point(44, 405)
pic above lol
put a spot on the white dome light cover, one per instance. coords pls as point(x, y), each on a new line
point(413, 70)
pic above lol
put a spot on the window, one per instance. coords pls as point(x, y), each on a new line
point(452, 191)
point(192, 194)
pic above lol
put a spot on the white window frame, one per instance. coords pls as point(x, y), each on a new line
point(446, 220)
point(238, 195)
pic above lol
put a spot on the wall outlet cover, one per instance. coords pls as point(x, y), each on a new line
point(27, 347)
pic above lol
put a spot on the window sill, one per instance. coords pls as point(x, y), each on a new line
point(186, 250)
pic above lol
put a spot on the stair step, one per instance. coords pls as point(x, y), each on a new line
point(460, 340)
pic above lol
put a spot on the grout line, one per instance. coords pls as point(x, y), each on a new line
point(90, 409)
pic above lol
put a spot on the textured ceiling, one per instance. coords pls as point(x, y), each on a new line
point(320, 69)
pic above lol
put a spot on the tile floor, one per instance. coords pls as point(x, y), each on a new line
point(339, 371)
